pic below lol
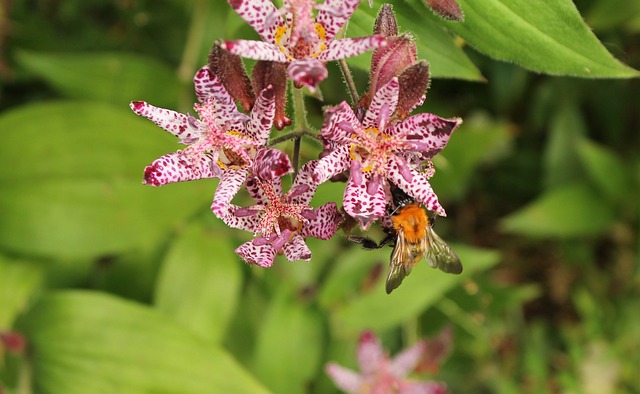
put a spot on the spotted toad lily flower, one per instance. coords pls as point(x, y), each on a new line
point(280, 222)
point(221, 143)
point(381, 375)
point(294, 37)
point(380, 149)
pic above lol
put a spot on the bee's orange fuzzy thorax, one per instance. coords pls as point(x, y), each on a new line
point(413, 221)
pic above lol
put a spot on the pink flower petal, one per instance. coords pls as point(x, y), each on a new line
point(256, 192)
point(178, 167)
point(307, 72)
point(247, 223)
point(172, 121)
point(419, 187)
point(430, 133)
point(262, 15)
point(332, 164)
point(371, 357)
point(345, 379)
point(325, 224)
point(361, 205)
point(264, 110)
point(296, 249)
point(408, 387)
point(334, 14)
point(406, 361)
point(270, 164)
point(260, 255)
point(348, 47)
point(339, 123)
point(385, 97)
point(257, 50)
point(230, 182)
point(304, 178)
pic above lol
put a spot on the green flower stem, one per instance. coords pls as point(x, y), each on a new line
point(348, 80)
point(300, 125)
point(291, 136)
point(190, 56)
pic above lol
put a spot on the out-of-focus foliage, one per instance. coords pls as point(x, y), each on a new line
point(120, 287)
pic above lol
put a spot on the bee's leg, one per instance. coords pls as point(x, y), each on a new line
point(368, 243)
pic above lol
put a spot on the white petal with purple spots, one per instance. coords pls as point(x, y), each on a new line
point(172, 121)
point(230, 182)
point(334, 14)
point(260, 255)
point(361, 205)
point(257, 50)
point(296, 249)
point(332, 164)
point(262, 15)
point(348, 47)
point(385, 97)
point(262, 114)
point(429, 133)
point(178, 167)
point(326, 223)
point(419, 187)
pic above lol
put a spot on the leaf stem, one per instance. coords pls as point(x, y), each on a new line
point(348, 80)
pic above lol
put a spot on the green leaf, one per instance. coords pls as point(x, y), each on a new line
point(200, 281)
point(605, 169)
point(611, 14)
point(87, 342)
point(446, 59)
point(111, 77)
point(560, 159)
point(425, 286)
point(19, 280)
point(548, 37)
point(70, 175)
point(478, 141)
point(573, 210)
point(289, 345)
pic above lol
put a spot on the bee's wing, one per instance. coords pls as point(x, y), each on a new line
point(439, 254)
point(404, 256)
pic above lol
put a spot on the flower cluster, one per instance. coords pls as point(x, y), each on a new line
point(380, 374)
point(376, 144)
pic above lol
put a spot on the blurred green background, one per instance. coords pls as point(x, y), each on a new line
point(120, 287)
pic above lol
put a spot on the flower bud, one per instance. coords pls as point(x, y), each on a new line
point(414, 82)
point(447, 9)
point(275, 74)
point(230, 70)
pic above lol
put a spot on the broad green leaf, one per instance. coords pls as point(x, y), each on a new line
point(612, 13)
point(560, 158)
point(543, 36)
point(478, 141)
point(19, 281)
point(437, 46)
point(572, 210)
point(70, 175)
point(605, 169)
point(419, 291)
point(289, 346)
point(88, 342)
point(200, 281)
point(111, 77)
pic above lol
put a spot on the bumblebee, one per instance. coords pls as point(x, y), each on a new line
point(413, 237)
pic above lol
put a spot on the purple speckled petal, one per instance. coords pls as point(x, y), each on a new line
point(257, 50)
point(304, 178)
point(172, 121)
point(248, 223)
point(419, 187)
point(262, 15)
point(361, 205)
point(347, 380)
point(371, 356)
point(178, 167)
point(332, 164)
point(256, 192)
point(334, 14)
point(211, 92)
point(385, 97)
point(307, 72)
point(262, 114)
point(270, 164)
point(260, 255)
point(348, 47)
point(429, 133)
point(230, 182)
point(339, 123)
point(407, 360)
point(296, 249)
point(325, 224)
